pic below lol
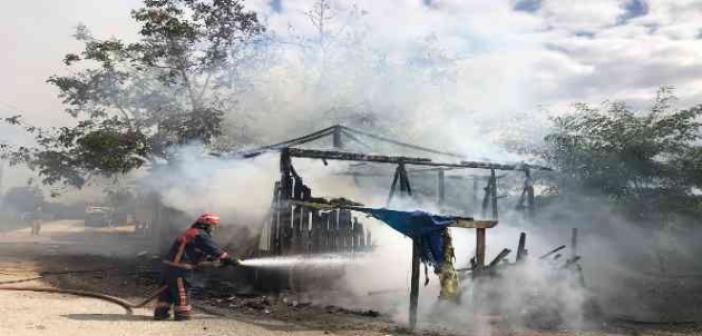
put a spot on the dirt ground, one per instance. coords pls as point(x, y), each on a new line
point(111, 257)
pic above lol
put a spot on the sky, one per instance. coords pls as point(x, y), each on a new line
point(564, 51)
point(512, 64)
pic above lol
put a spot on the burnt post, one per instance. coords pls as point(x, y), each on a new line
point(521, 248)
point(414, 286)
point(529, 186)
point(402, 178)
point(493, 193)
point(486, 198)
point(441, 187)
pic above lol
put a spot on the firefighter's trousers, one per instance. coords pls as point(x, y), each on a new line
point(177, 294)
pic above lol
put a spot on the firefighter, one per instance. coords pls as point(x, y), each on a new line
point(188, 250)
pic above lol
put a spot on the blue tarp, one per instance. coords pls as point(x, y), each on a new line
point(420, 225)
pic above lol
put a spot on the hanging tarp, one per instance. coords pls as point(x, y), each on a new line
point(423, 226)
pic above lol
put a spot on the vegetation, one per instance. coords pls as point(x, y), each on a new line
point(134, 101)
point(646, 162)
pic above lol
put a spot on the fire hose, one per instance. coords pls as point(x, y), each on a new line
point(128, 306)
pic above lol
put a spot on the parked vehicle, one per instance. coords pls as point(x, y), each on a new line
point(96, 216)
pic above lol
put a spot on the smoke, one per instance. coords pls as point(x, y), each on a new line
point(447, 75)
point(445, 82)
point(240, 190)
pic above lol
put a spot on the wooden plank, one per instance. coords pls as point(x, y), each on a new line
point(414, 285)
point(474, 224)
point(503, 254)
point(552, 252)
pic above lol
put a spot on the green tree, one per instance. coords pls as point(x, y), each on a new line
point(135, 101)
point(647, 162)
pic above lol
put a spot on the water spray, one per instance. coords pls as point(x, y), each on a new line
point(322, 260)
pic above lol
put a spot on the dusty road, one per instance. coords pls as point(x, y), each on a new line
point(67, 246)
point(26, 313)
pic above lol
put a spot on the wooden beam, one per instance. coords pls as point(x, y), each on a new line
point(552, 252)
point(503, 254)
point(350, 156)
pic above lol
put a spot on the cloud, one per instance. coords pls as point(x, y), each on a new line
point(444, 64)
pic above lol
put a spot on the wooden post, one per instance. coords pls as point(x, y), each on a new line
point(476, 199)
point(493, 194)
point(405, 187)
point(393, 186)
point(529, 185)
point(480, 247)
point(414, 285)
point(521, 249)
point(441, 188)
point(486, 198)
point(574, 243)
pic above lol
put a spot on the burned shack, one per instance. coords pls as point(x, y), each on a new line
point(297, 229)
point(298, 225)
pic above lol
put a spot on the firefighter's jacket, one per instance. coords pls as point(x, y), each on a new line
point(193, 247)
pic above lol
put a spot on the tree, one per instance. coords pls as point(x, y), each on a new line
point(23, 199)
point(647, 162)
point(135, 101)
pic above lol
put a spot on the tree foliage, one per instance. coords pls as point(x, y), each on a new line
point(22, 199)
point(645, 160)
point(135, 101)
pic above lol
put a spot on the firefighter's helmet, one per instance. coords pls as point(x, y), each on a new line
point(208, 219)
